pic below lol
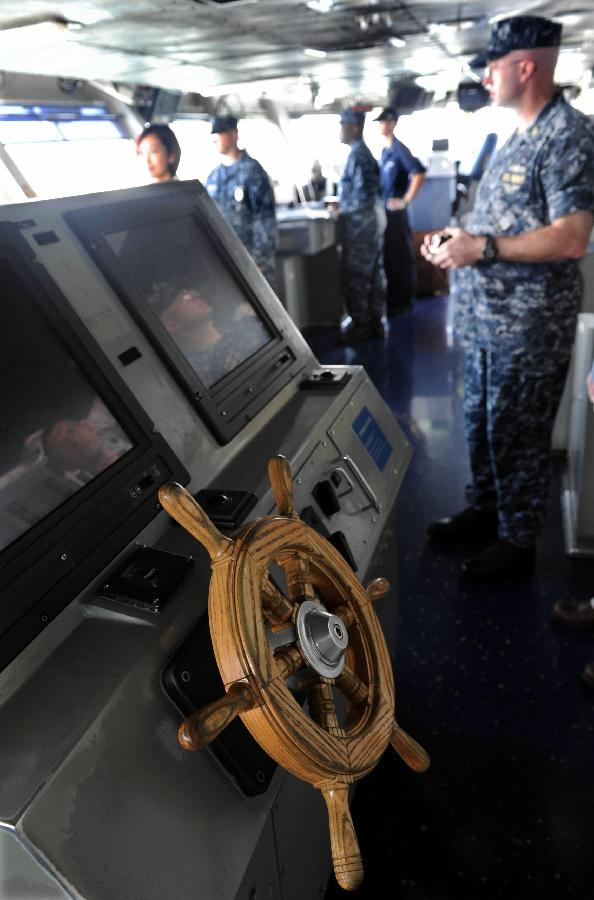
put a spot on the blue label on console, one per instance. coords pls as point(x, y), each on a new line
point(372, 438)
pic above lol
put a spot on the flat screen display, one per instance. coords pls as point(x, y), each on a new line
point(183, 275)
point(56, 434)
point(80, 460)
point(194, 296)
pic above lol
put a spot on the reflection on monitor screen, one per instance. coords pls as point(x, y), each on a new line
point(197, 300)
point(56, 433)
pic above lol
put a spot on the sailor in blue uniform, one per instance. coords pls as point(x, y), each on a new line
point(362, 276)
point(243, 191)
point(401, 178)
point(531, 222)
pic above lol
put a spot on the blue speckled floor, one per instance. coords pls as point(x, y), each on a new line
point(483, 680)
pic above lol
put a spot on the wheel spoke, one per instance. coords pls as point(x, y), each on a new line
point(377, 588)
point(346, 614)
point(281, 481)
point(355, 690)
point(298, 575)
point(321, 706)
point(277, 609)
point(281, 636)
point(409, 750)
point(289, 660)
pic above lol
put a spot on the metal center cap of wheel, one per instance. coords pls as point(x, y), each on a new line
point(322, 638)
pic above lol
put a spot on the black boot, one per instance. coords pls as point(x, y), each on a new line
point(464, 526)
point(378, 329)
point(355, 333)
point(574, 615)
point(501, 561)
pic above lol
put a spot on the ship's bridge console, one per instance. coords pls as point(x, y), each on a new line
point(141, 346)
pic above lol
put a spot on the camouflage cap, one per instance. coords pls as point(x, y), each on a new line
point(518, 33)
point(351, 116)
point(220, 124)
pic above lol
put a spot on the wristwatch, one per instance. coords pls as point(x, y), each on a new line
point(489, 253)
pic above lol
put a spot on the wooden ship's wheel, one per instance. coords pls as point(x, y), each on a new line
point(326, 638)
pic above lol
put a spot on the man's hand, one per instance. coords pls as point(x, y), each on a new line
point(462, 249)
point(395, 203)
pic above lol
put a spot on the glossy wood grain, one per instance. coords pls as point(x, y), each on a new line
point(409, 750)
point(346, 856)
point(207, 723)
point(180, 504)
point(277, 608)
point(281, 482)
point(244, 605)
point(377, 588)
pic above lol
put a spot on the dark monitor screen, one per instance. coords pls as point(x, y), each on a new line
point(80, 461)
point(57, 433)
point(198, 301)
point(187, 280)
point(472, 96)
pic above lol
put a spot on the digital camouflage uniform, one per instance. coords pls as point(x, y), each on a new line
point(246, 199)
point(362, 276)
point(520, 318)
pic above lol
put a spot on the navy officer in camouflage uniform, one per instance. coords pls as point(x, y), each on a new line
point(530, 224)
point(242, 190)
point(362, 276)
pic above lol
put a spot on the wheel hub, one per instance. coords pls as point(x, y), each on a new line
point(322, 638)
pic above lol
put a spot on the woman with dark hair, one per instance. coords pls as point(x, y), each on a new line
point(160, 150)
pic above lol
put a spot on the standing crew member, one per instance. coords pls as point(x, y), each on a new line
point(244, 194)
point(362, 276)
point(401, 177)
point(530, 224)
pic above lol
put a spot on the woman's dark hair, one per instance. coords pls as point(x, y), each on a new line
point(169, 141)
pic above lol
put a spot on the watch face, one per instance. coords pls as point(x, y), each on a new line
point(490, 248)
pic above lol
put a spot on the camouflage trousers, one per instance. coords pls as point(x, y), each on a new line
point(362, 275)
point(266, 262)
point(509, 409)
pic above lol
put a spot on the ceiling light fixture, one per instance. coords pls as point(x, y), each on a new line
point(321, 6)
point(395, 41)
point(452, 27)
point(316, 54)
point(39, 34)
point(569, 18)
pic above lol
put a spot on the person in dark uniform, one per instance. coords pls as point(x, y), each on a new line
point(529, 226)
point(243, 191)
point(401, 177)
point(362, 276)
point(158, 147)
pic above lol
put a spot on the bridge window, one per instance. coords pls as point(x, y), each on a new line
point(63, 150)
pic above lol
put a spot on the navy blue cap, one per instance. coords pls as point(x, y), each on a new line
point(518, 33)
point(221, 124)
point(350, 116)
point(388, 114)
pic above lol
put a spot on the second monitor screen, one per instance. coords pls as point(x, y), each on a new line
point(196, 299)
